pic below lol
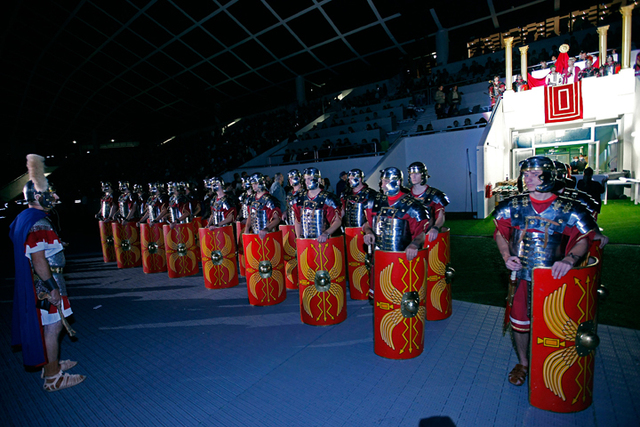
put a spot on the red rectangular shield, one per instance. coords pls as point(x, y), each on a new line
point(152, 244)
point(290, 256)
point(218, 250)
point(356, 256)
point(322, 282)
point(106, 241)
point(264, 268)
point(399, 304)
point(126, 240)
point(438, 286)
point(563, 313)
point(240, 245)
point(180, 246)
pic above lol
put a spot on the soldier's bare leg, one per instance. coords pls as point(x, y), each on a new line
point(522, 347)
point(52, 342)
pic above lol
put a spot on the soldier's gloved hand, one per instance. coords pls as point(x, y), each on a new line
point(172, 225)
point(322, 238)
point(411, 251)
point(212, 227)
point(513, 263)
point(432, 234)
point(560, 268)
point(369, 239)
point(603, 241)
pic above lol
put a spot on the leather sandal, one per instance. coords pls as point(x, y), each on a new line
point(518, 375)
point(65, 365)
point(61, 380)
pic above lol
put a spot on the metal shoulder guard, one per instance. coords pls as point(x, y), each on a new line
point(414, 208)
point(580, 217)
point(503, 210)
point(581, 197)
point(330, 199)
point(434, 195)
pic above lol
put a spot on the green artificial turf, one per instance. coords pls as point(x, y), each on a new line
point(481, 276)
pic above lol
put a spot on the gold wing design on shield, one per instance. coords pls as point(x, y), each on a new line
point(422, 294)
point(189, 243)
point(438, 268)
point(355, 251)
point(394, 317)
point(290, 250)
point(304, 267)
point(310, 291)
point(290, 268)
point(563, 327)
point(227, 245)
point(253, 264)
point(335, 271)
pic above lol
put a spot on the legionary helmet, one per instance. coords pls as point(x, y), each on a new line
point(106, 186)
point(394, 175)
point(294, 177)
point(355, 177)
point(246, 183)
point(216, 183)
point(418, 167)
point(540, 163)
point(153, 187)
point(258, 178)
point(38, 184)
point(123, 186)
point(137, 188)
point(315, 175)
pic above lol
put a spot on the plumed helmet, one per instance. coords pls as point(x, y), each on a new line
point(544, 164)
point(315, 175)
point(216, 183)
point(355, 177)
point(394, 175)
point(38, 185)
point(258, 178)
point(106, 186)
point(294, 177)
point(418, 167)
point(123, 185)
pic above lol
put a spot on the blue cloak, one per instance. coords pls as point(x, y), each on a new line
point(26, 331)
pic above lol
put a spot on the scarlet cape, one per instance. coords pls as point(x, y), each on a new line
point(26, 331)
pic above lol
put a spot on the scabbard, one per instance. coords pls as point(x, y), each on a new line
point(513, 282)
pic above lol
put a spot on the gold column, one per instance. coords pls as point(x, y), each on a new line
point(508, 47)
point(523, 62)
point(626, 36)
point(602, 33)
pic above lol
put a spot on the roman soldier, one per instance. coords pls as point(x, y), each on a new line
point(538, 229)
point(396, 225)
point(107, 205)
point(297, 189)
point(141, 203)
point(496, 89)
point(178, 212)
point(180, 238)
point(610, 67)
point(318, 213)
point(40, 303)
point(433, 199)
point(151, 230)
point(355, 201)
point(223, 210)
point(264, 212)
point(156, 205)
point(520, 85)
point(207, 200)
point(127, 204)
point(288, 228)
point(588, 71)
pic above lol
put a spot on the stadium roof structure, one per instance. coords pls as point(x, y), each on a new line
point(143, 69)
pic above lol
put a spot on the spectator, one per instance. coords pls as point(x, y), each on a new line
point(588, 71)
point(467, 121)
point(277, 190)
point(342, 183)
point(440, 100)
point(610, 67)
point(454, 99)
point(520, 85)
point(554, 78)
point(571, 71)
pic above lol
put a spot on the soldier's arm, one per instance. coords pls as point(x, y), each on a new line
point(369, 237)
point(335, 224)
point(511, 262)
point(42, 269)
point(144, 217)
point(562, 267)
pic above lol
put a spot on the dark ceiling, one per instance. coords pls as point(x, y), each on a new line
point(140, 70)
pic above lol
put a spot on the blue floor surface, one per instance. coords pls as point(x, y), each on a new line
point(168, 352)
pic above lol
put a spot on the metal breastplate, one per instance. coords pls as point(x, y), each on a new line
point(313, 223)
point(154, 211)
point(535, 250)
point(355, 215)
point(123, 206)
point(105, 207)
point(392, 234)
point(259, 220)
point(217, 216)
point(291, 215)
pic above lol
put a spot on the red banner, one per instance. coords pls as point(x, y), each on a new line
point(153, 255)
point(264, 268)
point(562, 339)
point(438, 289)
point(180, 246)
point(356, 256)
point(106, 241)
point(323, 290)
point(563, 103)
point(290, 256)
point(218, 248)
point(127, 243)
point(399, 304)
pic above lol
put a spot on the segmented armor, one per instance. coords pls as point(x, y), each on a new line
point(177, 203)
point(56, 261)
point(220, 209)
point(355, 205)
point(291, 203)
point(544, 246)
point(259, 210)
point(391, 223)
point(106, 202)
point(154, 206)
point(126, 203)
point(313, 215)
